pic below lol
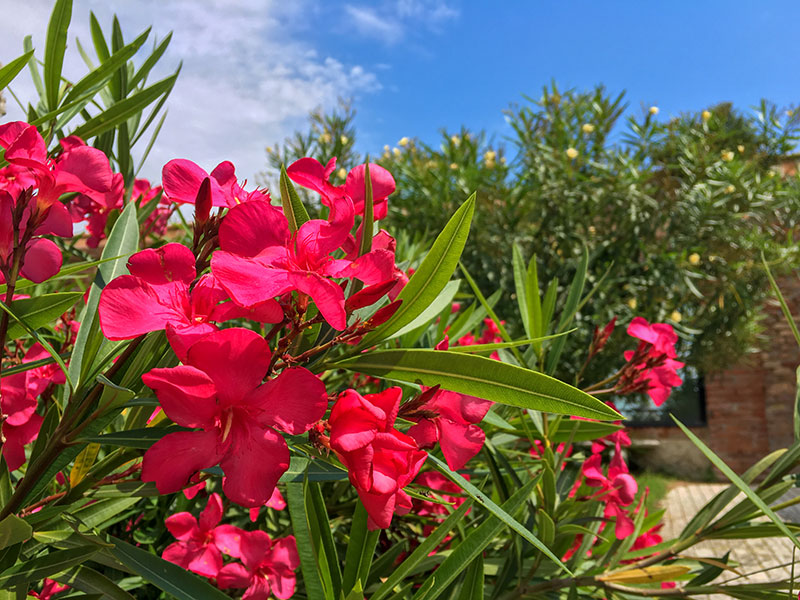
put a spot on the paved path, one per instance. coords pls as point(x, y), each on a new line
point(761, 559)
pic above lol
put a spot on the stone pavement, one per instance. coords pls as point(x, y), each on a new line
point(761, 560)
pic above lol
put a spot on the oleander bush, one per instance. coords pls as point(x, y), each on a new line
point(258, 403)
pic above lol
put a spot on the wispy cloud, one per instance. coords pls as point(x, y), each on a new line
point(249, 76)
point(391, 21)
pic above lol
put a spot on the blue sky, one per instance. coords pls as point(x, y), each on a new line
point(254, 68)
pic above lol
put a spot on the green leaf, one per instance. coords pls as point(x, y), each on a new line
point(293, 207)
point(39, 311)
point(33, 66)
point(170, 578)
point(472, 546)
point(315, 505)
point(520, 286)
point(739, 483)
point(360, 550)
point(45, 344)
point(90, 581)
point(121, 111)
point(498, 512)
point(55, 48)
point(428, 545)
point(14, 530)
point(150, 61)
point(315, 470)
point(122, 241)
point(480, 377)
point(12, 69)
point(295, 500)
point(98, 76)
point(34, 570)
point(133, 438)
point(433, 310)
point(431, 277)
point(472, 587)
point(368, 223)
point(99, 41)
point(568, 311)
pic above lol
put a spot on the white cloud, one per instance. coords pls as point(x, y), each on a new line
point(248, 77)
point(392, 20)
point(368, 23)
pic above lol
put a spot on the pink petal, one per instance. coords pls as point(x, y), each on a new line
point(309, 173)
point(259, 589)
point(253, 464)
point(328, 297)
point(249, 228)
point(207, 562)
point(254, 548)
point(187, 394)
point(425, 433)
point(248, 281)
point(11, 131)
point(183, 337)
point(42, 260)
point(228, 539)
point(382, 186)
point(284, 553)
point(84, 169)
point(16, 438)
point(233, 575)
point(235, 359)
point(212, 513)
point(24, 145)
point(380, 509)
point(276, 501)
point(57, 222)
point(293, 401)
point(181, 180)
point(182, 525)
point(459, 443)
point(269, 311)
point(129, 307)
point(173, 459)
point(173, 262)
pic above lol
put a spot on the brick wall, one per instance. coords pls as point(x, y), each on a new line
point(749, 408)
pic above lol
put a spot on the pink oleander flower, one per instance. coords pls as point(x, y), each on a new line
point(444, 489)
point(49, 589)
point(380, 460)
point(143, 194)
point(276, 502)
point(617, 489)
point(158, 294)
point(658, 369)
point(259, 259)
point(21, 424)
point(198, 539)
point(452, 420)
point(309, 173)
point(237, 418)
point(182, 178)
point(267, 567)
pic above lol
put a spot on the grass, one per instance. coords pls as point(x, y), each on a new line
point(658, 485)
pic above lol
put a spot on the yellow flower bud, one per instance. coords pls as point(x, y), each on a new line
point(727, 155)
point(730, 189)
point(502, 160)
point(706, 115)
point(456, 140)
point(632, 303)
point(587, 128)
point(453, 166)
point(654, 110)
point(740, 148)
point(386, 148)
point(269, 149)
point(572, 153)
point(325, 138)
point(694, 258)
point(344, 139)
point(592, 229)
point(396, 152)
point(403, 141)
point(676, 316)
point(789, 113)
point(341, 173)
point(490, 155)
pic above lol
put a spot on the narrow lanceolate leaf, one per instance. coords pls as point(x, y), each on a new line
point(295, 500)
point(83, 463)
point(12, 69)
point(36, 569)
point(55, 48)
point(472, 586)
point(122, 242)
point(647, 575)
point(369, 213)
point(481, 377)
point(360, 550)
point(520, 279)
point(569, 310)
point(293, 207)
point(472, 546)
point(40, 310)
point(91, 582)
point(121, 111)
point(739, 482)
point(14, 530)
point(432, 275)
point(422, 551)
point(172, 579)
point(500, 513)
